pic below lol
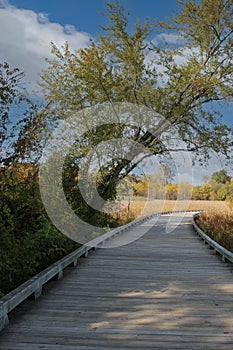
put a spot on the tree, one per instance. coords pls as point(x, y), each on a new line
point(184, 190)
point(9, 95)
point(222, 193)
point(19, 190)
point(171, 191)
point(230, 192)
point(28, 240)
point(19, 120)
point(202, 192)
point(225, 192)
point(220, 177)
point(178, 83)
point(141, 188)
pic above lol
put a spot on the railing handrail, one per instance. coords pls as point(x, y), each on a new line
point(35, 284)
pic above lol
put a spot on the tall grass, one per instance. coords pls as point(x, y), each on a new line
point(126, 211)
point(139, 207)
point(219, 226)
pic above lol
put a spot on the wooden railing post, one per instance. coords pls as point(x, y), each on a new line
point(4, 319)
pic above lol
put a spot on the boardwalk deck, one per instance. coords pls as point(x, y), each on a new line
point(162, 291)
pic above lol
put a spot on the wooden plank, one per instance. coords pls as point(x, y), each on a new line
point(162, 291)
point(35, 284)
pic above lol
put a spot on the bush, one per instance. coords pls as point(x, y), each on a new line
point(28, 240)
point(21, 258)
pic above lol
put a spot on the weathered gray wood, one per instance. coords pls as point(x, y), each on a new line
point(34, 285)
point(162, 291)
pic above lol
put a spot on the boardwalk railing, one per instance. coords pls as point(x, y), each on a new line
point(226, 254)
point(34, 285)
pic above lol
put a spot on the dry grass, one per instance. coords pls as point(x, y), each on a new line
point(219, 226)
point(140, 208)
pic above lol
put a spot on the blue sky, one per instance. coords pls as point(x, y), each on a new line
point(30, 25)
point(86, 15)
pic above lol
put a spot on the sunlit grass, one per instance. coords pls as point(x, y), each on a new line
point(219, 226)
point(140, 207)
point(127, 211)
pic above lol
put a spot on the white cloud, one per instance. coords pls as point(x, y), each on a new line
point(169, 38)
point(26, 36)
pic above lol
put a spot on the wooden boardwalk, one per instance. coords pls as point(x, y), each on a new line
point(162, 291)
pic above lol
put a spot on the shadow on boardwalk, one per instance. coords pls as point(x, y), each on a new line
point(162, 291)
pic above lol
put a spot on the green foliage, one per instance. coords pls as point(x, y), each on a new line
point(19, 120)
point(226, 192)
point(141, 188)
point(77, 202)
point(220, 176)
point(171, 191)
point(28, 241)
point(21, 258)
point(202, 192)
point(115, 69)
point(9, 95)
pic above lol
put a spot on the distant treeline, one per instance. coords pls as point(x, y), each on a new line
point(218, 187)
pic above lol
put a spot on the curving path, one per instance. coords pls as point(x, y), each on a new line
point(164, 290)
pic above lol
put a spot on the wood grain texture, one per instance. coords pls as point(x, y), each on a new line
point(165, 290)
